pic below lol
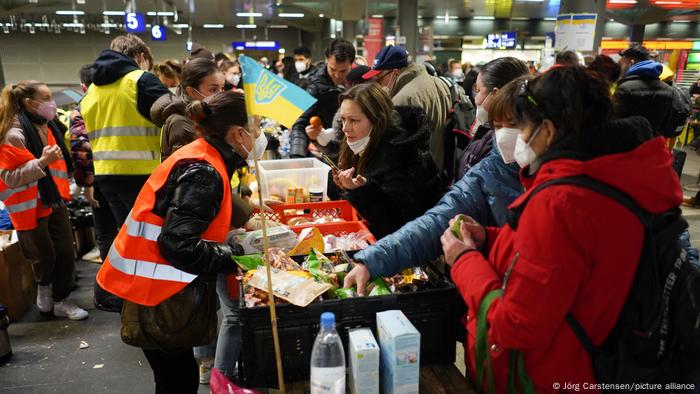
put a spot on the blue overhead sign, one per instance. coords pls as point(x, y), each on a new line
point(259, 45)
point(158, 33)
point(135, 22)
point(505, 40)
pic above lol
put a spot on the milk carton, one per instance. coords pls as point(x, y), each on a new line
point(364, 362)
point(399, 342)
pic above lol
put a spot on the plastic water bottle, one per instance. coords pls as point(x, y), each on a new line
point(328, 359)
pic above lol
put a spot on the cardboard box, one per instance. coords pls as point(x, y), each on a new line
point(364, 361)
point(17, 288)
point(399, 342)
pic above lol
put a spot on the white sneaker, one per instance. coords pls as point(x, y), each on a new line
point(44, 298)
point(71, 311)
point(205, 371)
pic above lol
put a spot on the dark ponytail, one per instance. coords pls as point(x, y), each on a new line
point(214, 115)
point(574, 98)
point(498, 72)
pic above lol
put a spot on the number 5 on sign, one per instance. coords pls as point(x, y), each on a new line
point(135, 22)
point(158, 33)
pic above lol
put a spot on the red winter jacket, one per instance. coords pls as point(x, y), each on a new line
point(578, 252)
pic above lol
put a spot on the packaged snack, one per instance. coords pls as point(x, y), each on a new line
point(343, 293)
point(321, 268)
point(377, 287)
point(294, 289)
point(309, 238)
point(249, 262)
point(281, 260)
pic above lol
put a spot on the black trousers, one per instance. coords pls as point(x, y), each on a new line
point(175, 371)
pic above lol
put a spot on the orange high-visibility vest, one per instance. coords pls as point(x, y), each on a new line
point(59, 172)
point(22, 202)
point(134, 268)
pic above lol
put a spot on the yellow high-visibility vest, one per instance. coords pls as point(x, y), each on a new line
point(123, 141)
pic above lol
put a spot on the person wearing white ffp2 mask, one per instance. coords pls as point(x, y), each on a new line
point(385, 168)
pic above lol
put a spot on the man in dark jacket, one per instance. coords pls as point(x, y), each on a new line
point(411, 85)
point(303, 63)
point(641, 92)
point(325, 84)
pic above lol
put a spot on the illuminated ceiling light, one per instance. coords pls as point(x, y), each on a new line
point(68, 12)
point(213, 26)
point(484, 18)
point(160, 13)
point(278, 26)
point(73, 25)
point(377, 16)
point(520, 18)
point(248, 13)
point(181, 26)
point(669, 2)
point(320, 15)
point(623, 1)
point(550, 19)
point(246, 26)
point(113, 13)
point(290, 15)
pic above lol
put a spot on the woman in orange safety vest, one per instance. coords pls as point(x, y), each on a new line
point(176, 233)
point(34, 173)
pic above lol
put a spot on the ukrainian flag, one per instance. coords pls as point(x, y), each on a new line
point(269, 95)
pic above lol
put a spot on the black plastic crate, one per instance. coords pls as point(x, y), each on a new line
point(431, 311)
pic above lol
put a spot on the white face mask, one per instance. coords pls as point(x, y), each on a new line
point(482, 115)
point(259, 146)
point(506, 140)
point(300, 65)
point(234, 79)
point(523, 153)
point(359, 146)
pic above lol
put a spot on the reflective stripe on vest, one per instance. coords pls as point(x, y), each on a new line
point(148, 269)
point(125, 131)
point(123, 141)
point(22, 202)
point(135, 269)
point(59, 172)
point(20, 207)
point(142, 229)
point(124, 155)
point(5, 194)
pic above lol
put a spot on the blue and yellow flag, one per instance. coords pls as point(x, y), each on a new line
point(272, 96)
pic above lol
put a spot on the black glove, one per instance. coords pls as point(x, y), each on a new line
point(236, 249)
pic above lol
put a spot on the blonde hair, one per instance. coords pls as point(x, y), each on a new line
point(11, 101)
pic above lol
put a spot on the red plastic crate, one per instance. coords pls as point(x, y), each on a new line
point(313, 210)
point(337, 229)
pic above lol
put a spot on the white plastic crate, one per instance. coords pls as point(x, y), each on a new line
point(277, 175)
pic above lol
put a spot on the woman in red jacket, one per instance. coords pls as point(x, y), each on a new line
point(574, 251)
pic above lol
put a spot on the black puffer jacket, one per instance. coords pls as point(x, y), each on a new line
point(189, 202)
point(641, 93)
point(322, 88)
point(402, 180)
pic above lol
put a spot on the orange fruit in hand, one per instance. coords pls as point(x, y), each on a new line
point(315, 121)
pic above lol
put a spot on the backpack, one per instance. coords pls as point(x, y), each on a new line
point(459, 119)
point(656, 339)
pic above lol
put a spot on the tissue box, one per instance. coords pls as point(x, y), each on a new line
point(399, 342)
point(364, 362)
point(279, 237)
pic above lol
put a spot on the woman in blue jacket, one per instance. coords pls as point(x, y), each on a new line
point(484, 193)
